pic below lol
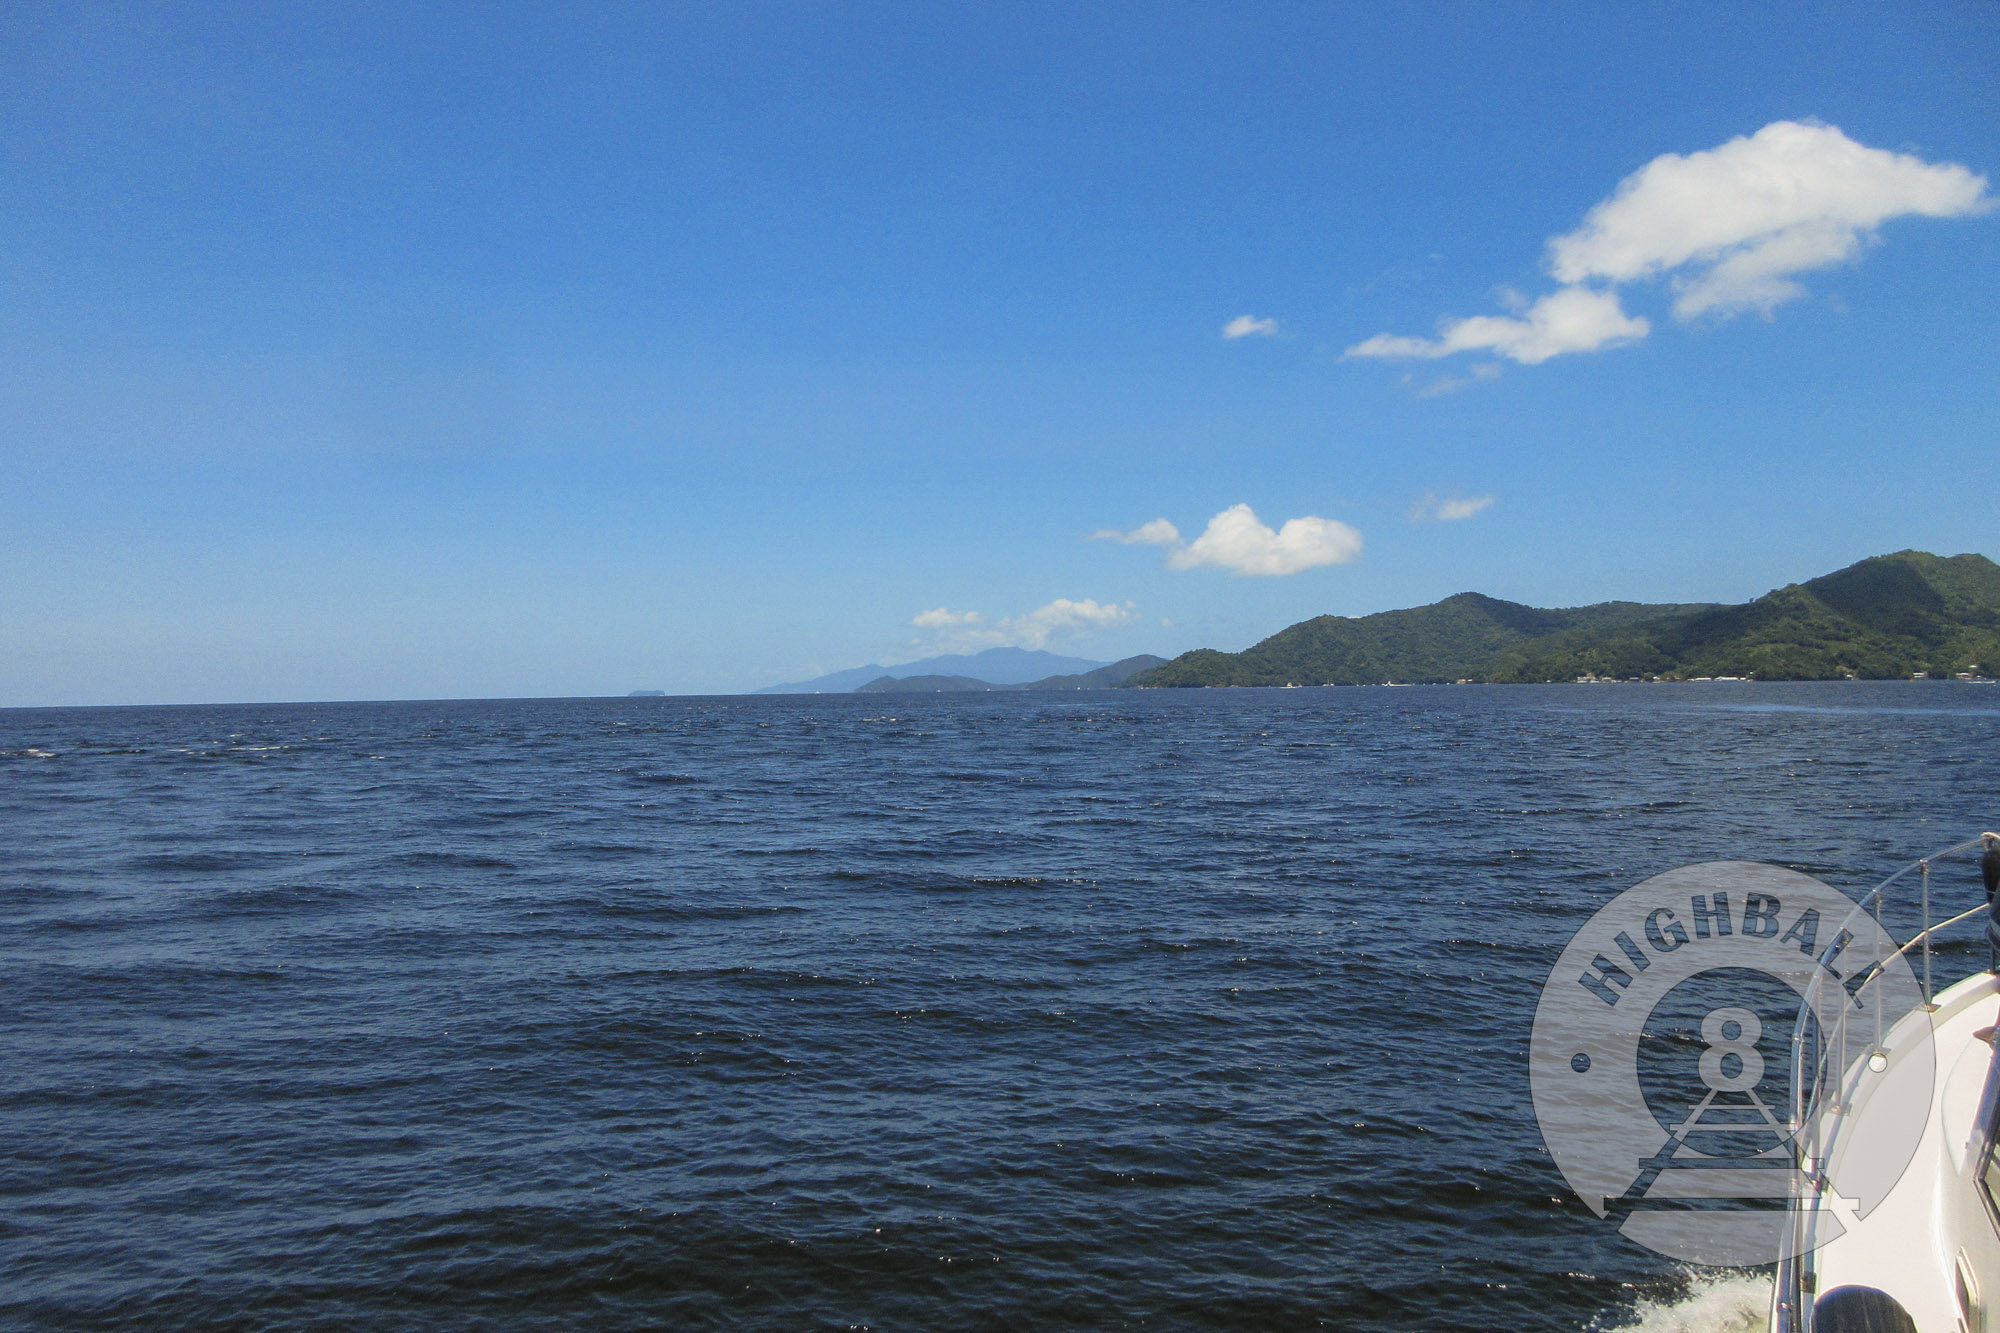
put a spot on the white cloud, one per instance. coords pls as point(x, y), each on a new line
point(1448, 508)
point(1758, 276)
point(1729, 227)
point(1034, 629)
point(1245, 326)
point(1793, 197)
point(943, 619)
point(1159, 532)
point(1575, 319)
point(1237, 541)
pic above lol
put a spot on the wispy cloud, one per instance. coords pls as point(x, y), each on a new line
point(1159, 532)
point(944, 619)
point(1249, 326)
point(1730, 228)
point(1238, 541)
point(1449, 507)
point(1444, 384)
point(1575, 319)
point(1062, 616)
point(1033, 629)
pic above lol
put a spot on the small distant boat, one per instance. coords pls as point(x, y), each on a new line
point(1923, 1256)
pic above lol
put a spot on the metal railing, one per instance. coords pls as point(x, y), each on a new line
point(1820, 1096)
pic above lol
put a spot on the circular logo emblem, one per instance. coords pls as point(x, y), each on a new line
point(1663, 1054)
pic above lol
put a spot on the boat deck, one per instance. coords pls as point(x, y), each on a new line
point(1909, 1245)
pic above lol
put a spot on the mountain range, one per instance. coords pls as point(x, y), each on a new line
point(1885, 617)
point(1102, 678)
point(995, 666)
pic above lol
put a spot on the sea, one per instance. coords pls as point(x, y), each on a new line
point(1200, 1009)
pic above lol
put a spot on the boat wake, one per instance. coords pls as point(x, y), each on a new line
point(1731, 1303)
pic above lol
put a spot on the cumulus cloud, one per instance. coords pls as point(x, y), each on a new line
point(1249, 326)
point(1159, 532)
point(1034, 629)
point(1729, 228)
point(1448, 508)
point(1793, 197)
point(1236, 540)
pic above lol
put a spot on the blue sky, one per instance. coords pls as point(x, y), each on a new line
point(404, 351)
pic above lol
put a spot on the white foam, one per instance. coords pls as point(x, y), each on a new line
point(1724, 1303)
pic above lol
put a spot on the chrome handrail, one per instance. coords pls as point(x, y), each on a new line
point(1791, 1298)
point(1923, 937)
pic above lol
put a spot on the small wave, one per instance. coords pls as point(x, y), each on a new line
point(603, 849)
point(919, 882)
point(683, 912)
point(457, 860)
point(63, 925)
point(1730, 1303)
point(283, 899)
point(201, 862)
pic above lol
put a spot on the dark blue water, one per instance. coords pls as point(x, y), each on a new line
point(1165, 1010)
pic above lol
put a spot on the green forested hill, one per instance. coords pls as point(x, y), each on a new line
point(1101, 678)
point(1887, 616)
point(928, 685)
point(1448, 640)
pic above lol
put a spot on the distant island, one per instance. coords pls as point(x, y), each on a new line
point(991, 669)
point(1100, 678)
point(1891, 616)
